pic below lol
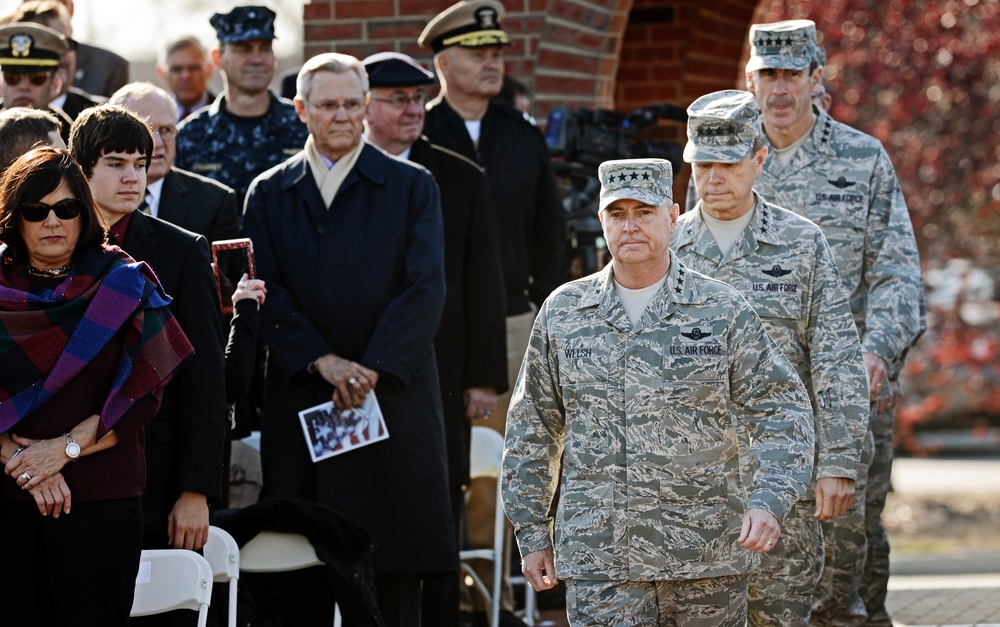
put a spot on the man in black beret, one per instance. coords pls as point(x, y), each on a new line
point(470, 344)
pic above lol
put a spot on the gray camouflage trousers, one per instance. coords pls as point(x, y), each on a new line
point(876, 573)
point(711, 602)
point(837, 600)
point(781, 588)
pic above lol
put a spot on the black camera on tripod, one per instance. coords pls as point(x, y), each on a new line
point(579, 140)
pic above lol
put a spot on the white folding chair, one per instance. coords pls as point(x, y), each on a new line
point(486, 458)
point(223, 555)
point(172, 579)
point(275, 552)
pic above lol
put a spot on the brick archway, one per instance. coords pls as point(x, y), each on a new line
point(610, 54)
point(615, 54)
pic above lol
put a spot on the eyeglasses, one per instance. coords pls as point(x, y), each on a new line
point(400, 101)
point(166, 132)
point(66, 209)
point(36, 78)
point(330, 107)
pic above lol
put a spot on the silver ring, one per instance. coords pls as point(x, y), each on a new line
point(769, 542)
point(26, 476)
point(352, 381)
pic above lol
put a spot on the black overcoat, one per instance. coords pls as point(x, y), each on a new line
point(529, 211)
point(186, 440)
point(471, 343)
point(200, 205)
point(363, 280)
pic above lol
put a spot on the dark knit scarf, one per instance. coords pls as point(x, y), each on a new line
point(48, 336)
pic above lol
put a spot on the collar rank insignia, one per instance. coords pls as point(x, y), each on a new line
point(695, 333)
point(776, 271)
point(841, 183)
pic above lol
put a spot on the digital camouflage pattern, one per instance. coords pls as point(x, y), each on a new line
point(836, 601)
point(722, 127)
point(644, 422)
point(783, 266)
point(876, 580)
point(781, 589)
point(718, 601)
point(843, 180)
point(788, 45)
point(214, 143)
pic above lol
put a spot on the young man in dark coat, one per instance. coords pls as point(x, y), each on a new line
point(184, 443)
point(350, 243)
point(190, 201)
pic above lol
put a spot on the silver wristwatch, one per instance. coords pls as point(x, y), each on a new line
point(72, 448)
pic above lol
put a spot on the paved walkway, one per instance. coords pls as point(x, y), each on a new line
point(955, 589)
point(933, 590)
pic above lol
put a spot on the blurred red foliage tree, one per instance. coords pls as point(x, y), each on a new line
point(923, 76)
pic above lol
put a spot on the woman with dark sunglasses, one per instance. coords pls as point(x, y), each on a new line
point(86, 345)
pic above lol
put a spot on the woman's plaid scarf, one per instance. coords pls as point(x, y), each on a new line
point(46, 339)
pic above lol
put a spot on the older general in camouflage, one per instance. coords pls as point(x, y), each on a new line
point(781, 263)
point(842, 180)
point(631, 393)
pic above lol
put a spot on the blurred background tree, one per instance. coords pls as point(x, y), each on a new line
point(923, 76)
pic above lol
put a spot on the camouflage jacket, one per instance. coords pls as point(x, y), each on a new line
point(781, 263)
point(212, 143)
point(641, 423)
point(842, 180)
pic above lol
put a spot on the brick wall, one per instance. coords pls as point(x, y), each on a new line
point(612, 54)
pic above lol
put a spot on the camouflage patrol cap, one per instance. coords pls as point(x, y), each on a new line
point(820, 56)
point(469, 23)
point(722, 127)
point(244, 24)
point(789, 45)
point(649, 181)
point(31, 47)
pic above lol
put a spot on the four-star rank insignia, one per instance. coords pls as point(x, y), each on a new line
point(776, 271)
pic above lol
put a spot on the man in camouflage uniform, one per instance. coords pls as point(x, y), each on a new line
point(842, 180)
point(247, 129)
point(781, 263)
point(630, 394)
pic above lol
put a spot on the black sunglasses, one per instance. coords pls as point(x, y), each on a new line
point(35, 78)
point(66, 209)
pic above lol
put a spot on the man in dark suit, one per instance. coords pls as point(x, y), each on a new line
point(350, 243)
point(29, 59)
point(190, 201)
point(184, 443)
point(470, 346)
point(184, 67)
point(468, 43)
point(71, 100)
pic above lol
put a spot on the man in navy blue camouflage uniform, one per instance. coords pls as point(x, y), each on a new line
point(247, 129)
